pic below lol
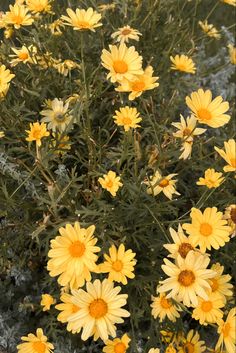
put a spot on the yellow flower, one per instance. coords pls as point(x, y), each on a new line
point(170, 349)
point(46, 301)
point(110, 182)
point(230, 2)
point(212, 179)
point(55, 27)
point(118, 345)
point(158, 184)
point(220, 283)
point(209, 29)
point(82, 19)
point(122, 62)
point(24, 55)
point(208, 111)
point(66, 66)
point(125, 33)
point(188, 278)
point(182, 244)
point(8, 33)
point(232, 54)
point(227, 332)
point(105, 7)
point(2, 134)
point(187, 128)
point(5, 78)
point(128, 118)
point(162, 307)
point(208, 311)
point(57, 116)
point(229, 155)
point(154, 350)
point(191, 344)
point(120, 264)
point(100, 309)
point(230, 216)
point(18, 16)
point(37, 132)
point(61, 143)
point(208, 229)
point(37, 6)
point(67, 308)
point(139, 83)
point(72, 255)
point(35, 343)
point(183, 63)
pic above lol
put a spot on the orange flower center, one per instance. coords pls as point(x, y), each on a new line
point(206, 306)
point(184, 249)
point(204, 114)
point(83, 24)
point(186, 278)
point(165, 303)
point(187, 131)
point(205, 229)
point(233, 214)
point(181, 67)
point(188, 348)
point(164, 183)
point(74, 308)
point(126, 31)
point(77, 249)
point(17, 19)
point(120, 66)
point(109, 184)
point(23, 56)
point(138, 86)
point(233, 162)
point(37, 134)
point(120, 348)
point(226, 329)
point(39, 347)
point(98, 308)
point(117, 265)
point(127, 121)
point(214, 284)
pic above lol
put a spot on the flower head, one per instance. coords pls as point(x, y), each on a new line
point(5, 77)
point(35, 343)
point(57, 115)
point(2, 134)
point(229, 155)
point(230, 216)
point(18, 16)
point(67, 308)
point(100, 309)
point(230, 2)
point(125, 33)
point(38, 6)
point(212, 179)
point(183, 63)
point(37, 132)
point(110, 182)
point(120, 264)
point(208, 229)
point(187, 128)
point(192, 343)
point(163, 307)
point(46, 301)
point(24, 55)
point(209, 311)
point(82, 20)
point(118, 345)
point(209, 29)
point(157, 184)
point(208, 111)
point(227, 332)
point(220, 283)
point(128, 118)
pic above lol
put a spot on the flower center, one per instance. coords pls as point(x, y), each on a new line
point(187, 132)
point(186, 278)
point(120, 66)
point(98, 308)
point(206, 306)
point(77, 249)
point(205, 229)
point(184, 249)
point(188, 348)
point(181, 67)
point(127, 121)
point(226, 329)
point(138, 86)
point(120, 348)
point(233, 214)
point(37, 134)
point(39, 347)
point(204, 114)
point(126, 31)
point(17, 19)
point(23, 56)
point(214, 284)
point(117, 265)
point(83, 24)
point(165, 303)
point(164, 183)
point(59, 117)
point(109, 184)
point(233, 162)
point(74, 308)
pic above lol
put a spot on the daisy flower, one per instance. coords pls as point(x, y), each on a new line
point(212, 179)
point(187, 128)
point(46, 301)
point(35, 343)
point(163, 307)
point(37, 6)
point(220, 283)
point(2, 134)
point(18, 16)
point(188, 278)
point(157, 184)
point(122, 62)
point(5, 77)
point(192, 344)
point(72, 255)
point(208, 229)
point(37, 132)
point(139, 83)
point(232, 54)
point(209, 29)
point(229, 155)
point(208, 111)
point(183, 63)
point(230, 216)
point(154, 350)
point(24, 55)
point(227, 332)
point(208, 311)
point(120, 264)
point(82, 20)
point(67, 308)
point(118, 345)
point(100, 309)
point(128, 118)
point(110, 182)
point(57, 116)
point(125, 33)
point(186, 149)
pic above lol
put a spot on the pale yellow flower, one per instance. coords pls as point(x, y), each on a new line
point(125, 33)
point(128, 118)
point(82, 20)
point(183, 63)
point(209, 29)
point(24, 55)
point(212, 179)
point(157, 184)
point(163, 307)
point(2, 134)
point(5, 77)
point(38, 6)
point(118, 345)
point(18, 16)
point(227, 332)
point(229, 155)
point(110, 182)
point(35, 343)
